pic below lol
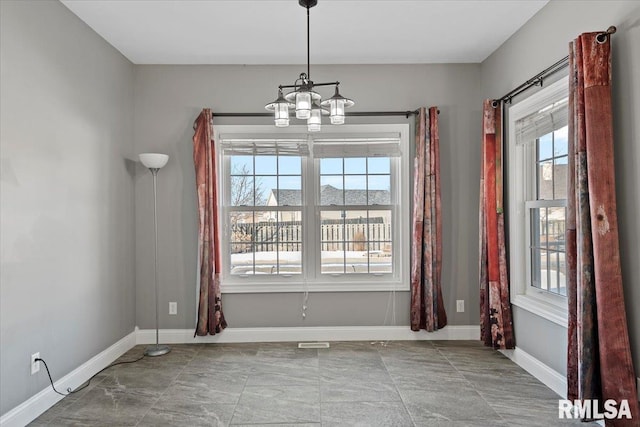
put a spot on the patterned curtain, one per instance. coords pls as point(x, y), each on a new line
point(496, 325)
point(427, 307)
point(599, 364)
point(210, 316)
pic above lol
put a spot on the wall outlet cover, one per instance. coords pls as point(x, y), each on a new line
point(460, 306)
point(35, 366)
point(173, 308)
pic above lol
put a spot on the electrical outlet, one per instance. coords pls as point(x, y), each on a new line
point(35, 366)
point(173, 308)
point(460, 306)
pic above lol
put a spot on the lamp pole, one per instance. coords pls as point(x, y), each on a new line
point(154, 162)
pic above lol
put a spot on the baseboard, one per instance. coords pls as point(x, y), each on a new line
point(544, 373)
point(309, 333)
point(32, 408)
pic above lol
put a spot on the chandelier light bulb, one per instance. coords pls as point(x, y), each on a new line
point(303, 105)
point(314, 122)
point(282, 114)
point(336, 111)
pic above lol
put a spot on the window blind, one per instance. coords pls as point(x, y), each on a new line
point(374, 146)
point(380, 145)
point(289, 145)
point(544, 121)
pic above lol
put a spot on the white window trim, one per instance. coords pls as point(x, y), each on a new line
point(313, 282)
point(539, 302)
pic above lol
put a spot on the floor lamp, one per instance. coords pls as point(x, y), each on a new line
point(154, 162)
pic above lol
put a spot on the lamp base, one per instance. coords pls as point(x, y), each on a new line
point(156, 350)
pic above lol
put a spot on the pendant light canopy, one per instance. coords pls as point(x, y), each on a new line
point(308, 103)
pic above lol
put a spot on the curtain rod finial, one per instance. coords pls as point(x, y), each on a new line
point(602, 37)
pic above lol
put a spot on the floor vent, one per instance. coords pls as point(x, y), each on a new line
point(313, 345)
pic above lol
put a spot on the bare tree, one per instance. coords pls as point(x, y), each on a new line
point(242, 191)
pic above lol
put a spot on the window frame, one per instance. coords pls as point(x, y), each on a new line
point(311, 278)
point(522, 178)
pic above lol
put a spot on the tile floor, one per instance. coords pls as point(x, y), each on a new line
point(422, 383)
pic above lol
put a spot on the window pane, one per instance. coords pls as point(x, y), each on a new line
point(241, 165)
point(289, 165)
point(560, 171)
point(379, 165)
point(266, 190)
point(266, 242)
point(536, 270)
point(555, 226)
point(545, 147)
point(355, 182)
point(380, 257)
point(379, 190)
point(331, 166)
point(241, 258)
point(562, 274)
point(266, 165)
point(331, 190)
point(355, 187)
point(545, 180)
point(289, 192)
point(332, 258)
point(560, 142)
point(362, 238)
point(241, 191)
point(553, 272)
point(290, 242)
point(379, 228)
point(548, 269)
point(538, 227)
point(355, 165)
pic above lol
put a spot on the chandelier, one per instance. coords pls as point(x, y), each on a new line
point(308, 103)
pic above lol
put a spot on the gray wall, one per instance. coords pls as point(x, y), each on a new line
point(67, 260)
point(540, 43)
point(169, 98)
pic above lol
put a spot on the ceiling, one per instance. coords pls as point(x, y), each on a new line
point(274, 31)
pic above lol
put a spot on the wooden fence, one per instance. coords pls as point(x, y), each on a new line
point(288, 237)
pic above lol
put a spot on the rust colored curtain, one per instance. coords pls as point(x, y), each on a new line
point(599, 362)
point(210, 316)
point(427, 306)
point(496, 325)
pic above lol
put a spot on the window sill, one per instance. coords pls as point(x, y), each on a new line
point(540, 307)
point(352, 286)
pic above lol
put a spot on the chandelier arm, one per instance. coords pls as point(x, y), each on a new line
point(314, 85)
point(327, 84)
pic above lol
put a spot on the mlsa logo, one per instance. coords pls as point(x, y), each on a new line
point(592, 409)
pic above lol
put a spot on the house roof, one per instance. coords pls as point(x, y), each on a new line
point(330, 195)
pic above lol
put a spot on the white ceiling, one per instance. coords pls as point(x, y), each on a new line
point(274, 31)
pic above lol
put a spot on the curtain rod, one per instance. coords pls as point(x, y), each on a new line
point(348, 114)
point(538, 79)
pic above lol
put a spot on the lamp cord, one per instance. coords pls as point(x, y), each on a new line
point(86, 383)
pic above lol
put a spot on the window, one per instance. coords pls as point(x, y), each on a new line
point(324, 212)
point(538, 167)
point(547, 212)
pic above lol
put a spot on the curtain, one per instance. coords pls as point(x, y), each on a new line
point(496, 325)
point(210, 317)
point(599, 364)
point(427, 306)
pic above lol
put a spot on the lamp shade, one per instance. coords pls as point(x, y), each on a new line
point(153, 160)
